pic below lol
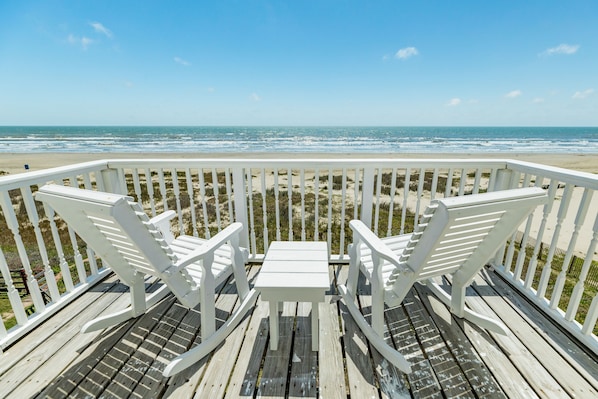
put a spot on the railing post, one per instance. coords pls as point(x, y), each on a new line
point(241, 204)
point(110, 182)
point(367, 196)
point(504, 179)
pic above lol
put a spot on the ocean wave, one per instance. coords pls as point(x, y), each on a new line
point(297, 139)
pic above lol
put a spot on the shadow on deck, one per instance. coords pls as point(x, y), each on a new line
point(450, 358)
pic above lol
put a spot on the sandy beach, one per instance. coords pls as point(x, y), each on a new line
point(12, 163)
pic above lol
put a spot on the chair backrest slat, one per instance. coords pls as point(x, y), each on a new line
point(462, 233)
point(118, 230)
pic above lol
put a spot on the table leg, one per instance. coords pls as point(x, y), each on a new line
point(315, 325)
point(273, 325)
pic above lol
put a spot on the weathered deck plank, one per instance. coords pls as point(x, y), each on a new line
point(567, 377)
point(479, 377)
point(449, 357)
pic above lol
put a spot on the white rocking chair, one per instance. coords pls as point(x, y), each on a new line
point(133, 245)
point(456, 236)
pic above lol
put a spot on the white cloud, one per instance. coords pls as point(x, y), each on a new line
point(99, 28)
point(181, 61)
point(538, 100)
point(128, 84)
point(255, 97)
point(453, 102)
point(84, 42)
point(562, 49)
point(406, 52)
point(514, 94)
point(583, 94)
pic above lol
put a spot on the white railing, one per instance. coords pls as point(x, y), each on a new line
point(304, 200)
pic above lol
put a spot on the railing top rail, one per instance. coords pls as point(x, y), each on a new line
point(579, 178)
point(309, 162)
point(10, 182)
point(585, 179)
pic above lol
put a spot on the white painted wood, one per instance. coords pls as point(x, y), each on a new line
point(264, 210)
point(294, 271)
point(547, 269)
point(457, 236)
point(391, 203)
point(580, 218)
point(251, 226)
point(13, 225)
point(123, 235)
point(204, 203)
point(290, 201)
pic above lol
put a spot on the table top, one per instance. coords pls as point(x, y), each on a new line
point(292, 264)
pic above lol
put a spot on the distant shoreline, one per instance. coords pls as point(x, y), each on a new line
point(13, 163)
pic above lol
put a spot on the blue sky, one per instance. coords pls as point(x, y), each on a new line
point(397, 63)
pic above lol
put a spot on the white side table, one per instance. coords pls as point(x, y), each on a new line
point(294, 271)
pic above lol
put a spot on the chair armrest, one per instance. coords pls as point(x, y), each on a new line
point(362, 233)
point(162, 223)
point(210, 246)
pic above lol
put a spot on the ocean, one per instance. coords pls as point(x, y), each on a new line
point(235, 139)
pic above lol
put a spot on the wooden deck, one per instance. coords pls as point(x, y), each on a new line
point(450, 358)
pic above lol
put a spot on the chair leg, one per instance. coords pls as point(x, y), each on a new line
point(377, 341)
point(137, 308)
point(456, 302)
point(207, 345)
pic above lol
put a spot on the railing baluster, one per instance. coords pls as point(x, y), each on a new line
point(137, 186)
point(449, 183)
point(240, 193)
point(356, 194)
point(343, 207)
point(511, 249)
point(78, 258)
point(41, 245)
point(302, 192)
point(378, 195)
point(13, 294)
point(191, 193)
point(406, 185)
point(462, 181)
point(13, 225)
point(316, 204)
point(582, 211)
point(204, 203)
point(177, 199)
point(329, 231)
point(229, 193)
point(264, 210)
point(580, 285)
point(476, 181)
point(492, 179)
point(150, 190)
point(591, 318)
point(531, 268)
point(290, 201)
point(162, 188)
point(420, 189)
point(562, 213)
point(64, 266)
point(252, 241)
point(523, 245)
point(277, 204)
point(216, 193)
point(391, 202)
point(434, 184)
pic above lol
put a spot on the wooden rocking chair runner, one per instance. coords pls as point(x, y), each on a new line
point(133, 246)
point(456, 236)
